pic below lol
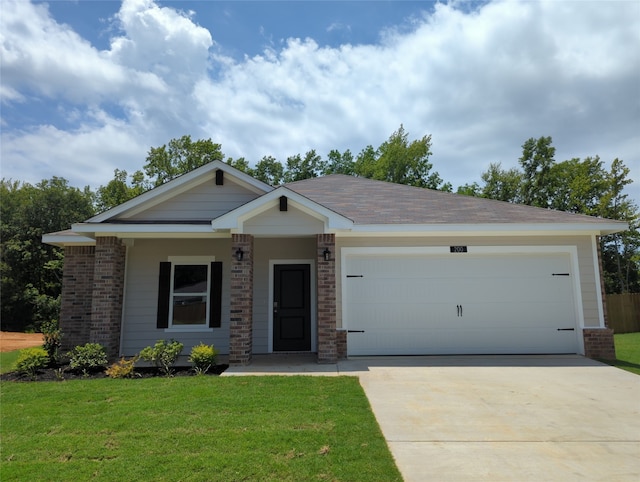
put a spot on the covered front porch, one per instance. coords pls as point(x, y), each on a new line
point(257, 293)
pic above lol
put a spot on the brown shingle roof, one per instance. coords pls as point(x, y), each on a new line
point(366, 201)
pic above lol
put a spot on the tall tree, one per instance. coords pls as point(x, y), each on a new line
point(501, 184)
point(118, 190)
point(620, 251)
point(578, 186)
point(241, 164)
point(536, 161)
point(31, 271)
point(340, 163)
point(269, 170)
point(299, 168)
point(401, 161)
point(180, 156)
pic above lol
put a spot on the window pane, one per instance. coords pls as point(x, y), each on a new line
point(189, 310)
point(190, 279)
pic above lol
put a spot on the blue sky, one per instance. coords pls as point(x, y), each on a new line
point(90, 86)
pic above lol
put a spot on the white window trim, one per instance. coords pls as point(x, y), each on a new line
point(190, 260)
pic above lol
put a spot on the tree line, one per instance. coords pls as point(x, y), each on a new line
point(31, 272)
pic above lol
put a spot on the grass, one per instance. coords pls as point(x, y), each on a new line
point(628, 352)
point(192, 429)
point(8, 360)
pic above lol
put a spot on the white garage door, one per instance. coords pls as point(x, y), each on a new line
point(459, 304)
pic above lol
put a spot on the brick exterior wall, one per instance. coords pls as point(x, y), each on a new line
point(108, 286)
point(241, 329)
point(77, 292)
point(598, 343)
point(327, 346)
point(341, 344)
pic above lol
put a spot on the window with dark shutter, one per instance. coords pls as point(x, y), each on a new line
point(164, 295)
point(189, 293)
point(215, 296)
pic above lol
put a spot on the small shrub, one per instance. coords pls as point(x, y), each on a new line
point(123, 368)
point(203, 358)
point(163, 354)
point(30, 360)
point(59, 373)
point(52, 340)
point(87, 358)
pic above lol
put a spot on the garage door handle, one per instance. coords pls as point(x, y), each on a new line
point(355, 331)
point(566, 329)
point(459, 307)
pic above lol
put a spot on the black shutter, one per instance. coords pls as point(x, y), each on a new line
point(164, 293)
point(215, 296)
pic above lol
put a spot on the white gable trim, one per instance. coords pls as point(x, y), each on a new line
point(235, 219)
point(180, 185)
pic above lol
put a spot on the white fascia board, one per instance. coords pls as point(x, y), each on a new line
point(179, 185)
point(484, 229)
point(235, 219)
point(104, 229)
point(67, 240)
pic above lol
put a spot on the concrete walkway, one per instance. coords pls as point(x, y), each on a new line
point(494, 418)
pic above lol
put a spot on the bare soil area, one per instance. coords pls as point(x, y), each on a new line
point(10, 341)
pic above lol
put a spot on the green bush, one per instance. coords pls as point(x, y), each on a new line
point(52, 340)
point(163, 354)
point(30, 360)
point(203, 358)
point(88, 357)
point(123, 368)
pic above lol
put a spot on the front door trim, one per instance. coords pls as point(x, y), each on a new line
point(313, 298)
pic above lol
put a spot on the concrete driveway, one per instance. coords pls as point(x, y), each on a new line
point(511, 418)
point(494, 418)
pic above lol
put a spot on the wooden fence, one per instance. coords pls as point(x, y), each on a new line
point(623, 312)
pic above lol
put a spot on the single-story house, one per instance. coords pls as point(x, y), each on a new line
point(336, 265)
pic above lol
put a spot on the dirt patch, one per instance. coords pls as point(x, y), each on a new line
point(10, 341)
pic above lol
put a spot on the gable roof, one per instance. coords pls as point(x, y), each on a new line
point(235, 219)
point(352, 206)
point(179, 185)
point(370, 202)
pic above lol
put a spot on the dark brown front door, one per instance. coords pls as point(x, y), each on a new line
point(291, 307)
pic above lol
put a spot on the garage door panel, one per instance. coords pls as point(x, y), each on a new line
point(446, 342)
point(390, 290)
point(460, 304)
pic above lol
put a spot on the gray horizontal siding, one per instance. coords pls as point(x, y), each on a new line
point(274, 222)
point(140, 305)
point(201, 203)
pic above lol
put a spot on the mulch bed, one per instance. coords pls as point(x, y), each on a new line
point(65, 373)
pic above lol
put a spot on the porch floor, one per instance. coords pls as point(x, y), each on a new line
point(284, 364)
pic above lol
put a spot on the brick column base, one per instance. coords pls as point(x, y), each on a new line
point(241, 329)
point(108, 291)
point(77, 293)
point(327, 347)
point(341, 343)
point(598, 343)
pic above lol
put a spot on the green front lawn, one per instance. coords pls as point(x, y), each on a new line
point(628, 352)
point(8, 360)
point(192, 428)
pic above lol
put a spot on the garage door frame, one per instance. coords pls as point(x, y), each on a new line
point(571, 251)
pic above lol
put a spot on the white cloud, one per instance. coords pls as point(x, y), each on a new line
point(480, 82)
